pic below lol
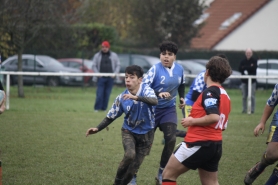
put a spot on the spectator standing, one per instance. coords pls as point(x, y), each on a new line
point(248, 66)
point(202, 146)
point(137, 103)
point(105, 61)
point(270, 156)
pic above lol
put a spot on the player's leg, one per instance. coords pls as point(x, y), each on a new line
point(107, 91)
point(208, 178)
point(268, 158)
point(253, 93)
point(209, 167)
point(169, 133)
point(143, 148)
point(129, 156)
point(273, 179)
point(99, 94)
point(174, 167)
point(244, 90)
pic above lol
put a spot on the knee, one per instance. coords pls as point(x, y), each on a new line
point(130, 155)
point(269, 158)
point(170, 139)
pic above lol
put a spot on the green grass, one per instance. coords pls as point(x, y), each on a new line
point(42, 141)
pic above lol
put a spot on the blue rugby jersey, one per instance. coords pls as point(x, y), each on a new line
point(139, 116)
point(163, 79)
point(197, 85)
point(272, 102)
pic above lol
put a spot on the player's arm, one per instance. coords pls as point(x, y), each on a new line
point(150, 97)
point(148, 100)
point(269, 107)
point(105, 122)
point(203, 121)
point(181, 95)
point(112, 114)
point(259, 129)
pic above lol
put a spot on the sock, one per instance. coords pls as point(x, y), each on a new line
point(273, 179)
point(168, 182)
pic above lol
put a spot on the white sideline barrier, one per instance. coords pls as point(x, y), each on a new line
point(8, 73)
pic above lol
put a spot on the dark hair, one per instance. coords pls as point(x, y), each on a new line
point(222, 56)
point(168, 46)
point(219, 69)
point(134, 70)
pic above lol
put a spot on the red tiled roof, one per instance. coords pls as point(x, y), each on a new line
point(219, 11)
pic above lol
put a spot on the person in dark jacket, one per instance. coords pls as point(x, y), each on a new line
point(105, 61)
point(248, 66)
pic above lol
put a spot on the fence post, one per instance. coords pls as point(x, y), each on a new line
point(249, 94)
point(8, 92)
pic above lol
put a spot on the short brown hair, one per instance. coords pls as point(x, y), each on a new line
point(219, 69)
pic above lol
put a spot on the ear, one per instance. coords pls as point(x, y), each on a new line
point(207, 72)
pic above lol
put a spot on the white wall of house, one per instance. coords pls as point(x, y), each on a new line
point(259, 32)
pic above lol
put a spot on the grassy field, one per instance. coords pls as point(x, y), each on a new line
point(42, 141)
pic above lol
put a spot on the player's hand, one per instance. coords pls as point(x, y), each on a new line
point(165, 95)
point(129, 96)
point(186, 122)
point(182, 103)
point(259, 130)
point(91, 131)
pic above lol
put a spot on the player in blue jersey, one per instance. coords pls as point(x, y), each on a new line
point(270, 156)
point(137, 103)
point(167, 80)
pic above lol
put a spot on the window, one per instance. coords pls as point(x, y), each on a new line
point(274, 66)
point(75, 65)
point(142, 63)
point(13, 62)
point(29, 62)
point(124, 60)
point(265, 66)
point(228, 22)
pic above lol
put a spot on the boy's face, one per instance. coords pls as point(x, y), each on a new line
point(167, 58)
point(132, 82)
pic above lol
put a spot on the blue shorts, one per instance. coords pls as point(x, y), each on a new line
point(273, 134)
point(165, 115)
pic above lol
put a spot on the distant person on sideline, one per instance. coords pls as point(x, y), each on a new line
point(104, 61)
point(270, 156)
point(248, 66)
point(137, 103)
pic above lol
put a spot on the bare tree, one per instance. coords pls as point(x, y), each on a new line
point(24, 20)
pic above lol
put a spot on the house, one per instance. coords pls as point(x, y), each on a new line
point(239, 24)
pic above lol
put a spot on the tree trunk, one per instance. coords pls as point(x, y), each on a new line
point(20, 79)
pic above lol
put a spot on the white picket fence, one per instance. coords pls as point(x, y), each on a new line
point(8, 73)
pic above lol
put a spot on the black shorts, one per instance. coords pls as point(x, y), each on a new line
point(204, 157)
